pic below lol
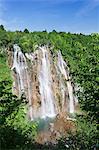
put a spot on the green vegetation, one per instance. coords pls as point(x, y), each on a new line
point(85, 138)
point(81, 53)
point(4, 70)
point(16, 131)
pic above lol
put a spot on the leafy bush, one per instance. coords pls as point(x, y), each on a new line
point(85, 138)
point(15, 130)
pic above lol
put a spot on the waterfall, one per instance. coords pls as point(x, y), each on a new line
point(20, 68)
point(47, 98)
point(65, 71)
point(46, 84)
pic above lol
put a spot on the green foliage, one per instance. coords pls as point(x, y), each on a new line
point(16, 131)
point(26, 30)
point(4, 69)
point(2, 27)
point(85, 138)
point(3, 38)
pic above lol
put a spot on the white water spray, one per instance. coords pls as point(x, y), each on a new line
point(20, 67)
point(47, 98)
point(65, 71)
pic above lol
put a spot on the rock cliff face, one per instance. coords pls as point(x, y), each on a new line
point(45, 81)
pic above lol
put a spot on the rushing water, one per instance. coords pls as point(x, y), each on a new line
point(65, 71)
point(47, 98)
point(20, 68)
point(19, 64)
point(41, 63)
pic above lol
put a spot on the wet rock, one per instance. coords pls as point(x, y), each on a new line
point(44, 80)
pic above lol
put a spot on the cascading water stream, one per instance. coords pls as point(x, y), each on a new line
point(47, 98)
point(64, 70)
point(20, 67)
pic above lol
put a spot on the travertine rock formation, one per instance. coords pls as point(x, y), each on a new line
point(44, 80)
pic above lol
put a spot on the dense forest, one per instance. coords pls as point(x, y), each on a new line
point(81, 52)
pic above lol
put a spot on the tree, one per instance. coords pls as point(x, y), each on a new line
point(15, 130)
point(2, 27)
point(26, 31)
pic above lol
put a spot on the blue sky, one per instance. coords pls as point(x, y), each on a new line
point(62, 15)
